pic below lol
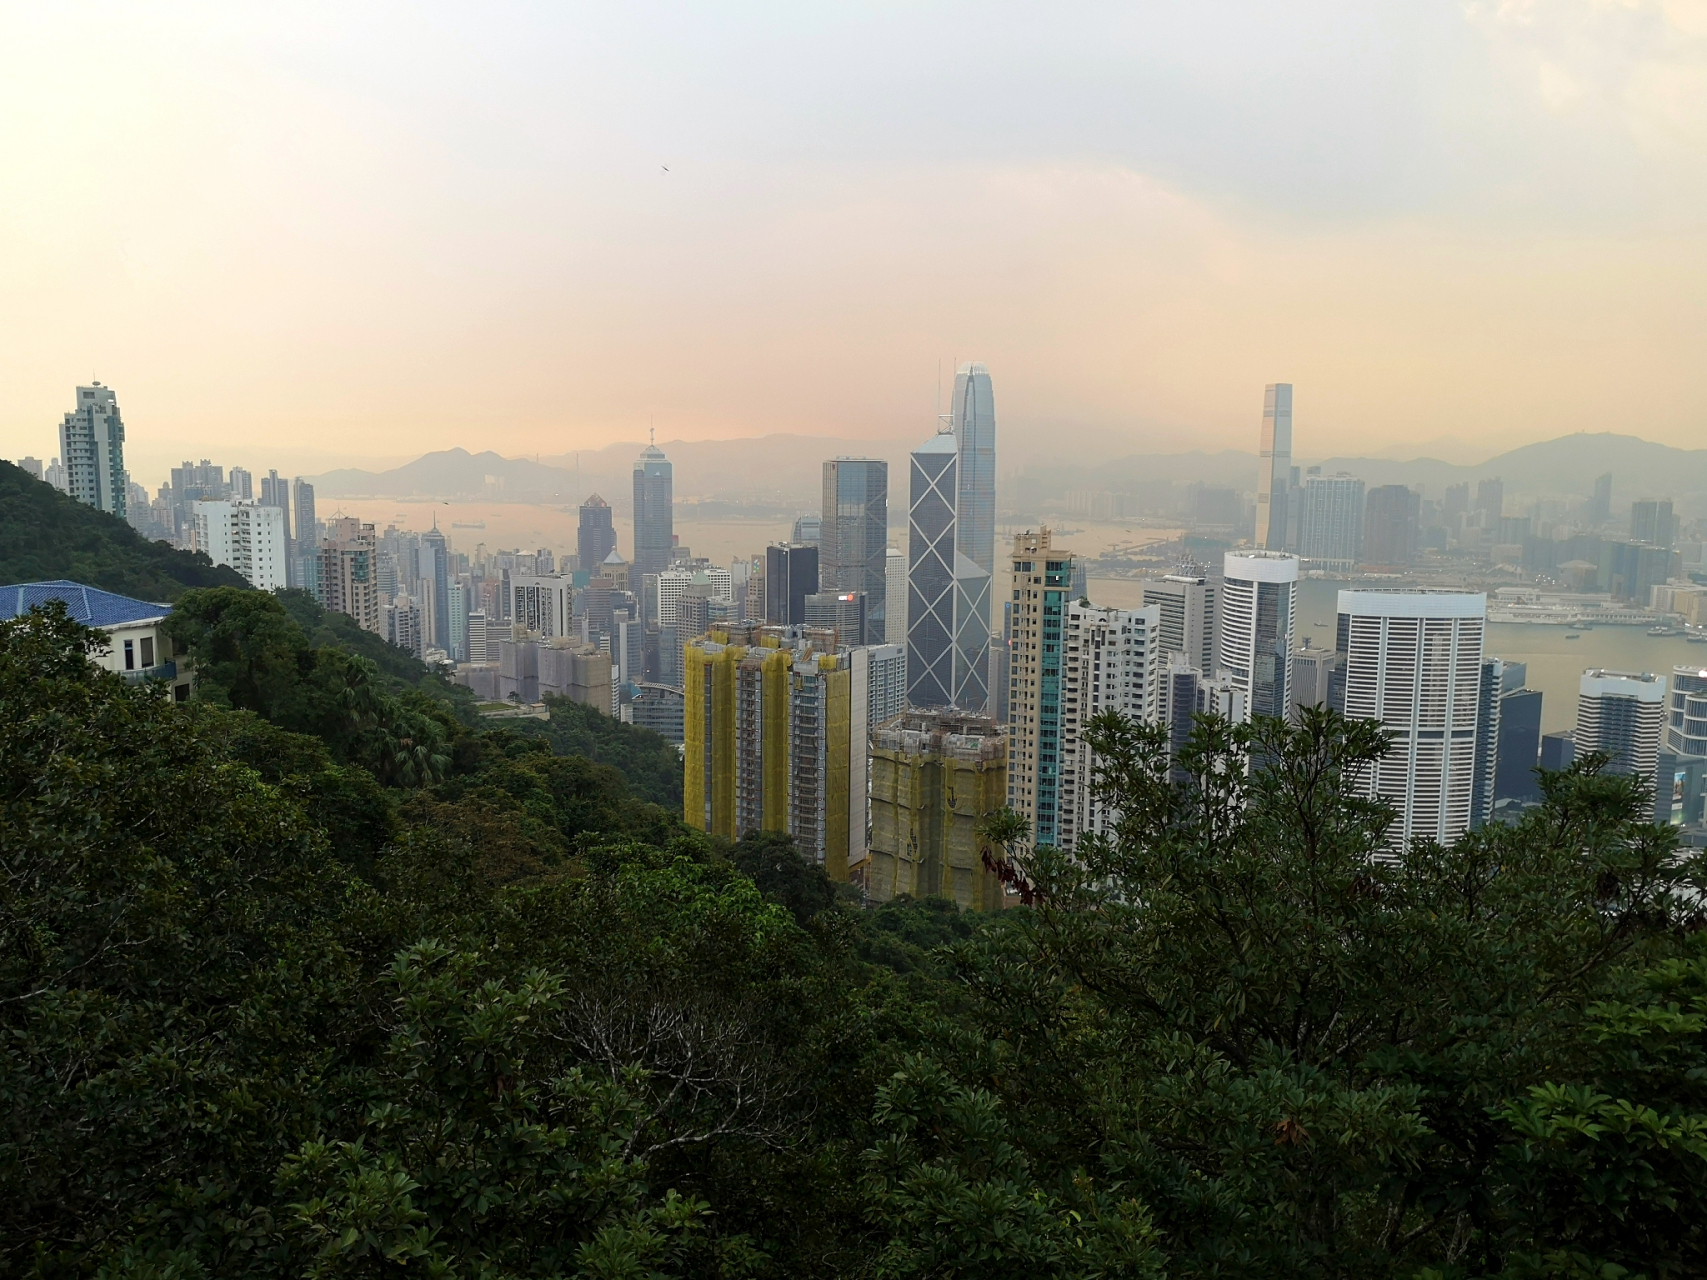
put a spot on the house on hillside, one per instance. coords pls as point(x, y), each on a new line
point(138, 649)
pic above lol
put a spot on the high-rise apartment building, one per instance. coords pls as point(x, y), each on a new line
point(791, 574)
point(543, 604)
point(1686, 720)
point(1413, 661)
point(775, 734)
point(1651, 521)
point(242, 484)
point(247, 536)
point(1330, 522)
point(930, 572)
point(654, 514)
point(349, 580)
point(853, 538)
point(1257, 628)
point(1391, 515)
point(1274, 467)
point(30, 467)
point(1186, 619)
point(935, 777)
point(1112, 663)
point(1622, 713)
point(91, 445)
point(594, 537)
point(1042, 584)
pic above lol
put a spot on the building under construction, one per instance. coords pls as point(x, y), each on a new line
point(935, 776)
point(775, 723)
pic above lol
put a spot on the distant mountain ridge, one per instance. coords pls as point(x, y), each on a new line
point(788, 469)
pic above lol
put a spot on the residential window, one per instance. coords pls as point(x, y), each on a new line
point(129, 655)
point(147, 651)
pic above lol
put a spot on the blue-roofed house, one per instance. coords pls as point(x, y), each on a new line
point(140, 649)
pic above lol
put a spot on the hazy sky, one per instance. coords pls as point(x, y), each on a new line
point(301, 232)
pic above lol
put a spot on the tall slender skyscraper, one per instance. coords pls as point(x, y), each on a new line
point(974, 420)
point(1043, 579)
point(91, 442)
point(1274, 467)
point(853, 539)
point(654, 514)
point(437, 573)
point(1413, 661)
point(594, 538)
point(931, 529)
point(275, 492)
point(1259, 619)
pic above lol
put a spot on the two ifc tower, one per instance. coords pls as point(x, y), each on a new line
point(951, 551)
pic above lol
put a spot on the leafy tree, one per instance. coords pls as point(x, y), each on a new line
point(652, 765)
point(47, 535)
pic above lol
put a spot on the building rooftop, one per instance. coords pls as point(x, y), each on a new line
point(88, 605)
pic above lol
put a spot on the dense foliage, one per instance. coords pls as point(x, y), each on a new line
point(276, 1005)
point(46, 535)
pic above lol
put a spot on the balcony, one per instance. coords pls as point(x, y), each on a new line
point(160, 671)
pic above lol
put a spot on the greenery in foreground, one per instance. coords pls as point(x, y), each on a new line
point(292, 985)
point(46, 535)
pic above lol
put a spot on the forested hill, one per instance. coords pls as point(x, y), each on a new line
point(44, 534)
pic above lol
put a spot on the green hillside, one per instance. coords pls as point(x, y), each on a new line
point(45, 535)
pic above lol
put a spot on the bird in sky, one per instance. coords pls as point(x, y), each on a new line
point(664, 167)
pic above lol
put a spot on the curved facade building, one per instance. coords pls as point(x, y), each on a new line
point(1259, 619)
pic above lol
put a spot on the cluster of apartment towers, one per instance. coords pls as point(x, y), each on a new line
point(858, 697)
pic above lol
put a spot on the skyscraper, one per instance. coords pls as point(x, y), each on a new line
point(1600, 506)
point(1686, 733)
point(1651, 521)
point(436, 572)
point(1390, 517)
point(791, 574)
point(91, 443)
point(1413, 661)
point(275, 492)
point(1258, 623)
point(1042, 581)
point(853, 538)
point(1622, 713)
point(930, 572)
point(654, 514)
point(594, 537)
point(1519, 749)
point(305, 548)
point(895, 595)
point(1330, 522)
point(1490, 500)
point(1274, 467)
point(974, 419)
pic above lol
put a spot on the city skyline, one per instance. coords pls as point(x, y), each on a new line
point(381, 239)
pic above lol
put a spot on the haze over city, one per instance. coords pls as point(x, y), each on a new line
point(358, 234)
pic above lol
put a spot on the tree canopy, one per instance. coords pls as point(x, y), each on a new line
point(277, 1005)
point(46, 535)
